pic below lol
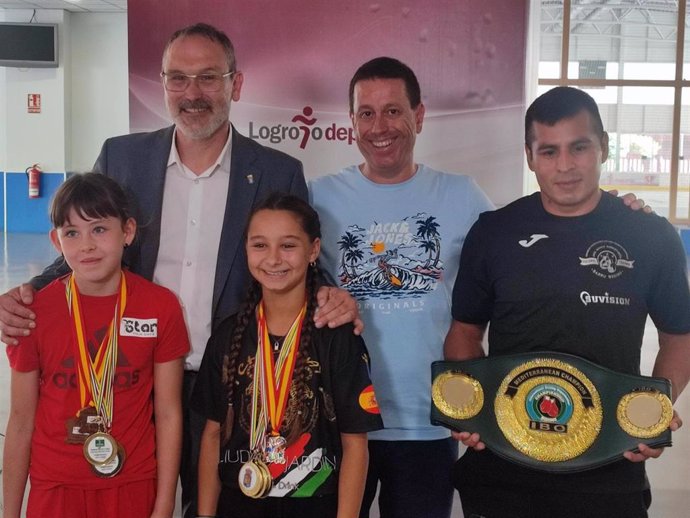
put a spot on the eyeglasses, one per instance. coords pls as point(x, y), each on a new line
point(179, 82)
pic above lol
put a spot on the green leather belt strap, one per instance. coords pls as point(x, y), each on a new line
point(551, 411)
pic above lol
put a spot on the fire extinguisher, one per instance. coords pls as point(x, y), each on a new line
point(33, 173)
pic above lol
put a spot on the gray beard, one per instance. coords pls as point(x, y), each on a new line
point(203, 132)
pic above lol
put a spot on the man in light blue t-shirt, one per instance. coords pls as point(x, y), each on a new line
point(393, 231)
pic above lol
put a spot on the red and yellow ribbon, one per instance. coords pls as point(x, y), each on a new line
point(278, 375)
point(95, 377)
point(272, 380)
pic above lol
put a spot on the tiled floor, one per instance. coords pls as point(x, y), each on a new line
point(24, 255)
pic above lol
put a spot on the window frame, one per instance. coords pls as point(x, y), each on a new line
point(678, 83)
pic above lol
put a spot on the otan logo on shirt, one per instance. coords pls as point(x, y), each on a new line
point(139, 327)
point(302, 130)
point(608, 259)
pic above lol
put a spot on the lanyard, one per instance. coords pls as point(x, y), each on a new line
point(272, 379)
point(96, 376)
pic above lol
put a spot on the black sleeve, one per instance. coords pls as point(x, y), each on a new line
point(472, 294)
point(50, 273)
point(669, 298)
point(355, 404)
point(209, 397)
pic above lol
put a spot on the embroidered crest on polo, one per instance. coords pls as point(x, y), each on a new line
point(139, 327)
point(607, 259)
point(526, 243)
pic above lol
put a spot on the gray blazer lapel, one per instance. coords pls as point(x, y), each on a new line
point(151, 187)
point(244, 181)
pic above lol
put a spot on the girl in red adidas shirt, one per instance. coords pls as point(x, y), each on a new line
point(103, 363)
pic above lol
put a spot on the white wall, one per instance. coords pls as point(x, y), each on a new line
point(3, 115)
point(99, 84)
point(31, 138)
point(83, 101)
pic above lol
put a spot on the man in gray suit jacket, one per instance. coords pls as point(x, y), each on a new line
point(181, 179)
point(138, 163)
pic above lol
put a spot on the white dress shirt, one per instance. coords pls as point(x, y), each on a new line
point(191, 225)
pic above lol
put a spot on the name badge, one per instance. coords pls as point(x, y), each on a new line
point(139, 327)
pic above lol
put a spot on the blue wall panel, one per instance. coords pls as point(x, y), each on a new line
point(685, 237)
point(25, 214)
point(2, 200)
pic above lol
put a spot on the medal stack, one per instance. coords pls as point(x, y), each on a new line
point(95, 376)
point(105, 454)
point(271, 384)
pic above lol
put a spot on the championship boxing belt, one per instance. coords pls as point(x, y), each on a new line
point(551, 411)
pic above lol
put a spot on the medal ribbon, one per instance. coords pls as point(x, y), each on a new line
point(272, 382)
point(278, 375)
point(96, 376)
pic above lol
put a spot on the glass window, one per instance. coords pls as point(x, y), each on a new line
point(624, 55)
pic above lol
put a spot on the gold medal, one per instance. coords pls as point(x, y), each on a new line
point(457, 395)
point(644, 414)
point(100, 448)
point(112, 468)
point(251, 479)
point(267, 480)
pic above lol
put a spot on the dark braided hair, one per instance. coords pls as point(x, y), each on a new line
point(244, 318)
point(309, 221)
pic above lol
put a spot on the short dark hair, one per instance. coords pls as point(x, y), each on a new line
point(387, 68)
point(308, 217)
point(211, 33)
point(561, 103)
point(92, 196)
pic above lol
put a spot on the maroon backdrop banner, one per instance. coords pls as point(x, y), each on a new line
point(298, 57)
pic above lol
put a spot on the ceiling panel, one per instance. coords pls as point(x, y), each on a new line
point(75, 6)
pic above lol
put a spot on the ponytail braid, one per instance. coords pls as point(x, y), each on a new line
point(244, 318)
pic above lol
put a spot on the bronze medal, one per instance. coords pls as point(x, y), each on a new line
point(112, 468)
point(74, 433)
point(85, 424)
